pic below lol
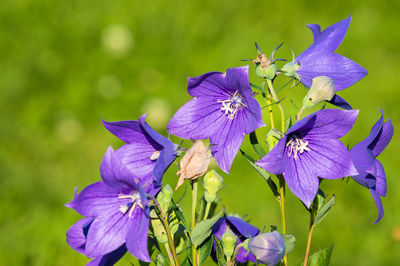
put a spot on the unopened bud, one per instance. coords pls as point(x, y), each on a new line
point(194, 163)
point(289, 69)
point(164, 197)
point(229, 242)
point(269, 248)
point(212, 184)
point(322, 89)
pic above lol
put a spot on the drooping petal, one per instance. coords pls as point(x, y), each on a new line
point(378, 204)
point(110, 258)
point(328, 40)
point(274, 161)
point(245, 229)
point(340, 102)
point(377, 171)
point(342, 70)
point(301, 180)
point(107, 233)
point(76, 238)
point(197, 119)
point(382, 139)
point(128, 131)
point(96, 199)
point(328, 158)
point(136, 239)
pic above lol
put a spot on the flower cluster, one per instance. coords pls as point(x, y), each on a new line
point(224, 108)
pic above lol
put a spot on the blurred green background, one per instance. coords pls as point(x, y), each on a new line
point(66, 64)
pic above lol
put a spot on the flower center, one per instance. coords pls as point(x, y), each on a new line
point(130, 206)
point(296, 145)
point(232, 105)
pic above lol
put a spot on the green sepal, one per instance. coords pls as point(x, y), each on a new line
point(290, 242)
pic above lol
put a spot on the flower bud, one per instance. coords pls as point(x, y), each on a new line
point(269, 248)
point(228, 242)
point(164, 197)
point(289, 69)
point(322, 89)
point(194, 163)
point(212, 184)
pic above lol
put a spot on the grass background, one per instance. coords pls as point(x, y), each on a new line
point(66, 64)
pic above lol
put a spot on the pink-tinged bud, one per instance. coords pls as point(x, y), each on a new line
point(269, 248)
point(194, 163)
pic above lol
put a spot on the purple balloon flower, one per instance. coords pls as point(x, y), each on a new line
point(118, 207)
point(371, 173)
point(223, 109)
point(241, 229)
point(146, 153)
point(311, 149)
point(319, 59)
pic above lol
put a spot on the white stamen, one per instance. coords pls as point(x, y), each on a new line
point(155, 155)
point(297, 146)
point(135, 200)
point(232, 105)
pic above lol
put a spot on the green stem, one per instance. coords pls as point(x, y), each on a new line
point(170, 256)
point(275, 98)
point(194, 202)
point(283, 209)
point(207, 211)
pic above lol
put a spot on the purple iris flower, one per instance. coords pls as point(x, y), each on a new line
point(223, 109)
point(371, 173)
point(146, 153)
point(118, 208)
point(311, 149)
point(241, 229)
point(319, 59)
point(76, 238)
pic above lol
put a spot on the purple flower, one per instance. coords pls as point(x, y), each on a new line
point(241, 229)
point(146, 153)
point(76, 238)
point(371, 173)
point(311, 149)
point(223, 109)
point(269, 248)
point(319, 59)
point(118, 208)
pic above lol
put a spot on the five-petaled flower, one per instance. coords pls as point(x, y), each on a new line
point(118, 207)
point(223, 109)
point(320, 59)
point(371, 173)
point(311, 149)
point(241, 229)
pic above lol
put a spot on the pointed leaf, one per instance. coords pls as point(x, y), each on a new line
point(202, 230)
point(257, 88)
point(220, 252)
point(256, 146)
point(180, 215)
point(205, 250)
point(321, 257)
point(290, 242)
point(324, 210)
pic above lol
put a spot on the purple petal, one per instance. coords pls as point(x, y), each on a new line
point(96, 199)
point(274, 161)
point(76, 237)
point(340, 102)
point(301, 180)
point(342, 70)
point(242, 257)
point(110, 258)
point(107, 233)
point(219, 228)
point(328, 158)
point(197, 119)
point(315, 29)
point(382, 139)
point(378, 203)
point(245, 229)
point(376, 170)
point(329, 123)
point(115, 174)
point(211, 84)
point(238, 79)
point(328, 40)
point(136, 240)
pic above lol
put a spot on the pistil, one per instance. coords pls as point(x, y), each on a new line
point(232, 105)
point(297, 145)
point(130, 206)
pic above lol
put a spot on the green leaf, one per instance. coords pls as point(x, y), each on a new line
point(256, 146)
point(290, 242)
point(205, 250)
point(263, 173)
point(160, 260)
point(202, 230)
point(220, 252)
point(288, 124)
point(257, 88)
point(321, 257)
point(318, 201)
point(180, 215)
point(189, 247)
point(186, 262)
point(323, 211)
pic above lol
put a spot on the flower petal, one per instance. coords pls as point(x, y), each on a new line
point(378, 204)
point(128, 131)
point(136, 240)
point(245, 229)
point(382, 139)
point(340, 102)
point(238, 79)
point(75, 235)
point(328, 158)
point(301, 180)
point(378, 172)
point(274, 161)
point(211, 84)
point(110, 258)
point(107, 233)
point(315, 29)
point(363, 159)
